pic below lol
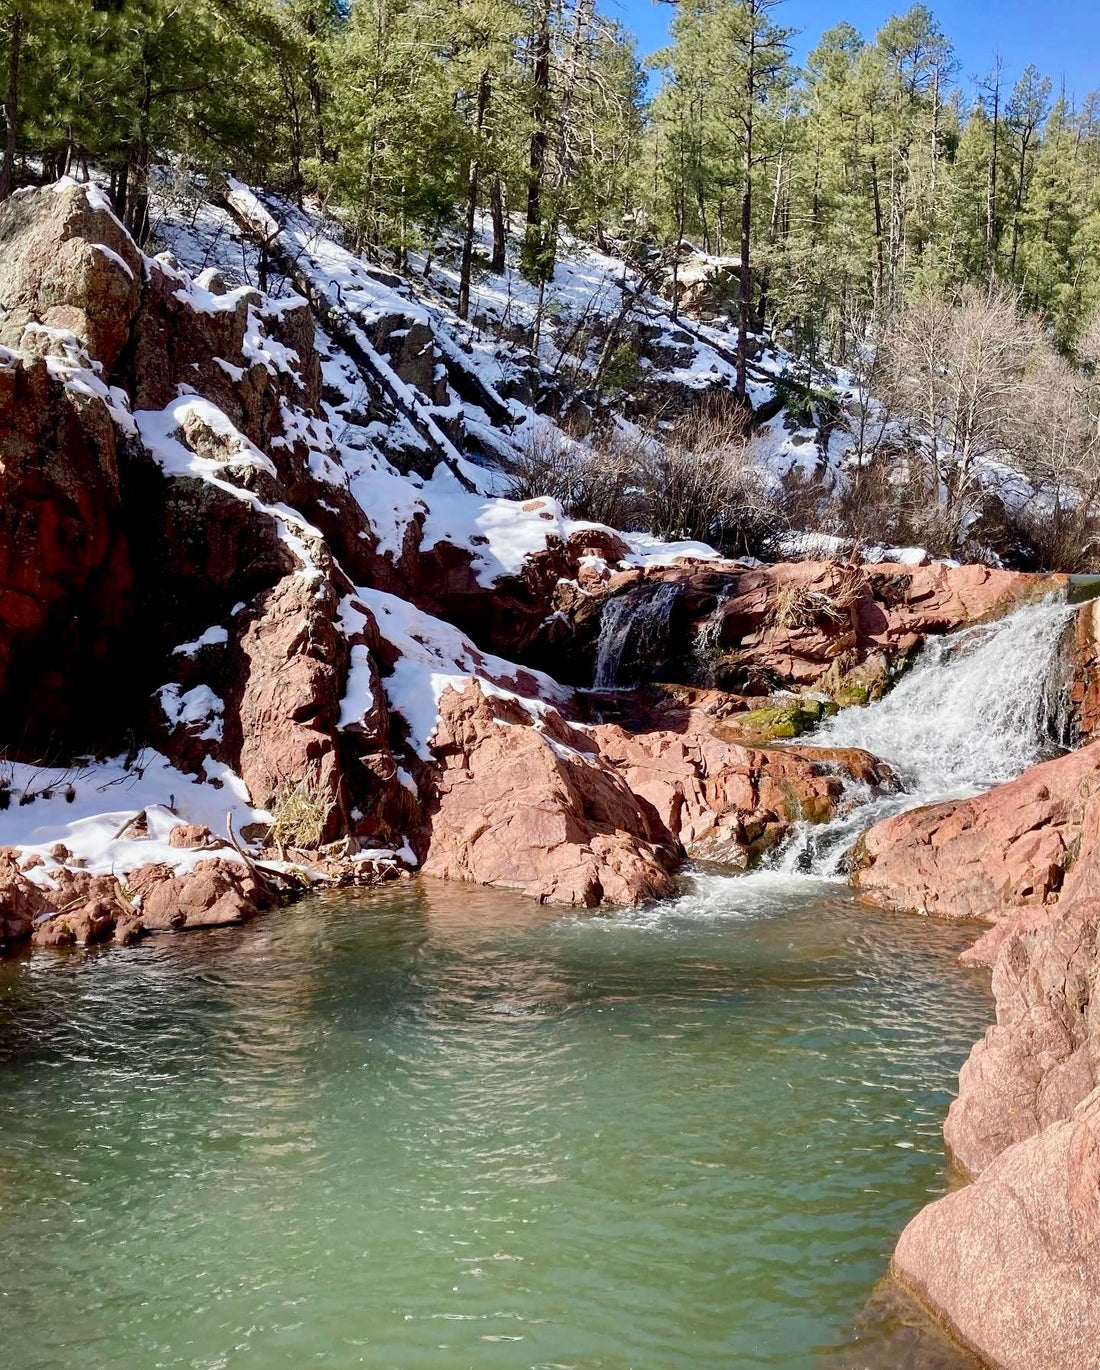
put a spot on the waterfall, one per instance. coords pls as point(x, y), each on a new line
point(977, 707)
point(633, 627)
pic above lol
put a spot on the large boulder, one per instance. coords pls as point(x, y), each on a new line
point(1011, 1263)
point(67, 263)
point(527, 803)
point(976, 858)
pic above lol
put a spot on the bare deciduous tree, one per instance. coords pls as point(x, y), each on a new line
point(954, 367)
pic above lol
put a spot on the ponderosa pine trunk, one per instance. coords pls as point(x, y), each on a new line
point(745, 282)
point(466, 270)
point(500, 239)
point(534, 247)
point(11, 109)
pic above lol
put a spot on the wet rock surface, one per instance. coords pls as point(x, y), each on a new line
point(841, 629)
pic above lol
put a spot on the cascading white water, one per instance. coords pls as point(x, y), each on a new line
point(976, 708)
point(632, 628)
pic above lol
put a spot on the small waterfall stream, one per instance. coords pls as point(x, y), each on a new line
point(976, 709)
point(633, 627)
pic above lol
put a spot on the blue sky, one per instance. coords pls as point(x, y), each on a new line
point(1062, 37)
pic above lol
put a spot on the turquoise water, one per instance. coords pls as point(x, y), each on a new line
point(433, 1128)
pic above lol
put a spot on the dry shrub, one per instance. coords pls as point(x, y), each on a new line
point(1057, 539)
point(588, 482)
point(299, 816)
point(891, 502)
point(698, 481)
point(803, 605)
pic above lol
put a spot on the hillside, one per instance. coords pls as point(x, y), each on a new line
point(259, 551)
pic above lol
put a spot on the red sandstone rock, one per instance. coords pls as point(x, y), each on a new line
point(793, 625)
point(973, 858)
point(1037, 1064)
point(80, 927)
point(295, 662)
point(1085, 686)
point(727, 801)
point(584, 817)
point(537, 810)
point(20, 899)
point(1012, 1262)
point(67, 262)
point(64, 567)
point(188, 836)
point(216, 892)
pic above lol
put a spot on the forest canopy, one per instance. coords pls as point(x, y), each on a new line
point(875, 174)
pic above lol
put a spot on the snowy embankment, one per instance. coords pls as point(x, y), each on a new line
point(410, 420)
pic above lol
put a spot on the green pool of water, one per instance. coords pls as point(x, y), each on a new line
point(433, 1128)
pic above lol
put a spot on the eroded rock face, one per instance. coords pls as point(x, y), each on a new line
point(1085, 688)
point(1012, 1262)
point(65, 572)
point(975, 858)
point(1040, 1060)
point(728, 802)
point(288, 706)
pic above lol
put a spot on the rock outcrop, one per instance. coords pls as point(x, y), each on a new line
point(527, 800)
point(68, 265)
point(980, 857)
point(536, 808)
point(844, 630)
point(1011, 1262)
point(185, 542)
point(76, 908)
point(1084, 700)
point(1040, 1060)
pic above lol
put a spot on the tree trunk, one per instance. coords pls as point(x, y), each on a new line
point(773, 234)
point(745, 282)
point(880, 264)
point(11, 109)
point(500, 239)
point(1025, 138)
point(137, 200)
point(466, 269)
point(313, 87)
point(534, 247)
